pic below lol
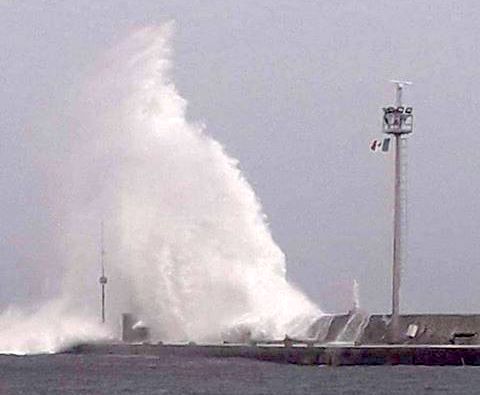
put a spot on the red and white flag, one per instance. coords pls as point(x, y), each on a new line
point(384, 145)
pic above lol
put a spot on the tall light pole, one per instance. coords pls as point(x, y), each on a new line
point(103, 278)
point(398, 122)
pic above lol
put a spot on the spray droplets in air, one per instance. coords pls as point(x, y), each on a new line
point(188, 249)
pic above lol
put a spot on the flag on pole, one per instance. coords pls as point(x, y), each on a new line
point(384, 145)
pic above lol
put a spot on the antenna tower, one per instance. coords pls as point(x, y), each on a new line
point(103, 278)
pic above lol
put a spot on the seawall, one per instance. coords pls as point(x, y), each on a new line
point(356, 338)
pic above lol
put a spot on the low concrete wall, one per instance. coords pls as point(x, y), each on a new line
point(431, 329)
point(360, 328)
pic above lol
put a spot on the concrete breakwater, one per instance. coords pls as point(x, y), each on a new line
point(356, 328)
point(332, 355)
point(335, 340)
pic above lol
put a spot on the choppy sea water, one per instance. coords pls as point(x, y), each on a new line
point(117, 374)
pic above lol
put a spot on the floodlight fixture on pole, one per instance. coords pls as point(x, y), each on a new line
point(398, 121)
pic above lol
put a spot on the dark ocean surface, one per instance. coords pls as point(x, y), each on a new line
point(130, 374)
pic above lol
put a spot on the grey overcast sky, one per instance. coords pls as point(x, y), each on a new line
point(293, 89)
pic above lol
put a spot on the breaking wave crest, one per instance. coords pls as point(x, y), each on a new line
point(188, 250)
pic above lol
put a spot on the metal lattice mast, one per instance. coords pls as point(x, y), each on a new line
point(103, 278)
point(398, 121)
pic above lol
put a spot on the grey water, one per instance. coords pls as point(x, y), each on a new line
point(140, 374)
